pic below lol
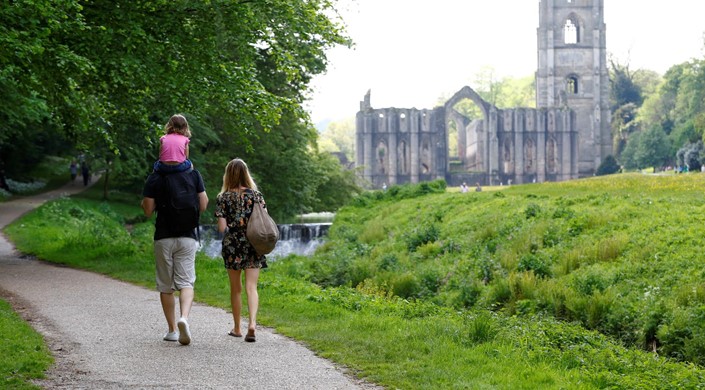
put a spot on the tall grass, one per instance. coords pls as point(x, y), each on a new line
point(448, 313)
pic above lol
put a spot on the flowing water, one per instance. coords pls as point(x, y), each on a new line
point(299, 238)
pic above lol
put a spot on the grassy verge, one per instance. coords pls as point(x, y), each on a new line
point(23, 354)
point(399, 343)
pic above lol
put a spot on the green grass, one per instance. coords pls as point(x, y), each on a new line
point(23, 354)
point(537, 286)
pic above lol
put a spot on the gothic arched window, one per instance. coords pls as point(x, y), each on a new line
point(571, 85)
point(571, 32)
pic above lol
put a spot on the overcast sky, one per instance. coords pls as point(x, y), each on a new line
point(410, 53)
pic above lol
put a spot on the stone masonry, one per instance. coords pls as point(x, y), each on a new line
point(566, 137)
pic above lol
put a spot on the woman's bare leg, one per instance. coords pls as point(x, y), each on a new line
point(251, 277)
point(236, 298)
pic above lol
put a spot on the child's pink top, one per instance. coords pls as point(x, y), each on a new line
point(173, 147)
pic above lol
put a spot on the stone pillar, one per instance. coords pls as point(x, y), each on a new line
point(575, 138)
point(414, 149)
point(566, 151)
point(519, 129)
point(493, 158)
point(542, 128)
point(369, 153)
point(392, 142)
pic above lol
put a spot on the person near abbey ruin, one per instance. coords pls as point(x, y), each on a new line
point(175, 243)
point(233, 208)
point(464, 188)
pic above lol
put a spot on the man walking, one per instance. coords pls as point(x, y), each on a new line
point(177, 198)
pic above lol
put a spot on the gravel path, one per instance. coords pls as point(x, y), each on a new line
point(106, 334)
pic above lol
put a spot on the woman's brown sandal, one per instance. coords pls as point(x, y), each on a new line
point(250, 336)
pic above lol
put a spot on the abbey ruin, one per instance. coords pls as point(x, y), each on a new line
point(566, 137)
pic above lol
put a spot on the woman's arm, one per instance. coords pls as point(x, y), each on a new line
point(222, 225)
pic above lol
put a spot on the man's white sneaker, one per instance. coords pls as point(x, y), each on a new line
point(171, 336)
point(184, 332)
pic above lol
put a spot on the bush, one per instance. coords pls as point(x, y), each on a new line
point(421, 235)
point(608, 166)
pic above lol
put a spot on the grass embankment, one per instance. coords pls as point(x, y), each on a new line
point(498, 287)
point(23, 354)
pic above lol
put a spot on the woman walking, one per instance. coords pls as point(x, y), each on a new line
point(233, 209)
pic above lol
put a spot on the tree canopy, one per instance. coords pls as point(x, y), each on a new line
point(104, 76)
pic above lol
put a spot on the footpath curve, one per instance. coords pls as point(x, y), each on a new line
point(106, 334)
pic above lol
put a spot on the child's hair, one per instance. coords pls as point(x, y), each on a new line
point(237, 175)
point(179, 125)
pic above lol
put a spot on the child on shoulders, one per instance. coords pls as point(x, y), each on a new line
point(173, 152)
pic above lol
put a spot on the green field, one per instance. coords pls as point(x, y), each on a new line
point(594, 283)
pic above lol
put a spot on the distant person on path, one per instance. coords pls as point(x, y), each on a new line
point(86, 173)
point(174, 247)
point(463, 188)
point(233, 208)
point(477, 187)
point(3, 180)
point(173, 150)
point(73, 169)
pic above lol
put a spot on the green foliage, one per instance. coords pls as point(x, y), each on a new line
point(23, 355)
point(421, 235)
point(372, 328)
point(103, 77)
point(579, 251)
point(608, 166)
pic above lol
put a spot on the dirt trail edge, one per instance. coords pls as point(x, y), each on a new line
point(106, 334)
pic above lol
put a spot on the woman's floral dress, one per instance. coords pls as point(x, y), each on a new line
point(236, 208)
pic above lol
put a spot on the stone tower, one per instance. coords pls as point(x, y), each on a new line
point(572, 72)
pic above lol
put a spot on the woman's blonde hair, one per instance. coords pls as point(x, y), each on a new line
point(237, 175)
point(179, 125)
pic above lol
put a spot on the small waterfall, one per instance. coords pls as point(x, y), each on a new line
point(300, 238)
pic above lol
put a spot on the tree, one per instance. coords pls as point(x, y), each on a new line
point(624, 89)
point(624, 124)
point(108, 74)
point(628, 157)
point(653, 148)
point(39, 91)
point(339, 137)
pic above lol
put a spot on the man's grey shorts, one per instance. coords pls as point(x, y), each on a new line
point(175, 263)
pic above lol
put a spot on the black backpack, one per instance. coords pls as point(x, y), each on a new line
point(181, 206)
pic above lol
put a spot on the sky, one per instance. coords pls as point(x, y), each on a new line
point(411, 53)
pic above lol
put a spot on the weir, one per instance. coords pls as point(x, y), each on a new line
point(299, 238)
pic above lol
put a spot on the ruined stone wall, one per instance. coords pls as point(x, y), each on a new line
point(400, 146)
point(566, 137)
point(520, 145)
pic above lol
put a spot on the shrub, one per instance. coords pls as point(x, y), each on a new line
point(608, 166)
point(481, 328)
point(598, 308)
point(498, 294)
point(532, 211)
point(469, 292)
point(523, 285)
point(389, 262)
point(421, 235)
point(535, 263)
point(405, 285)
